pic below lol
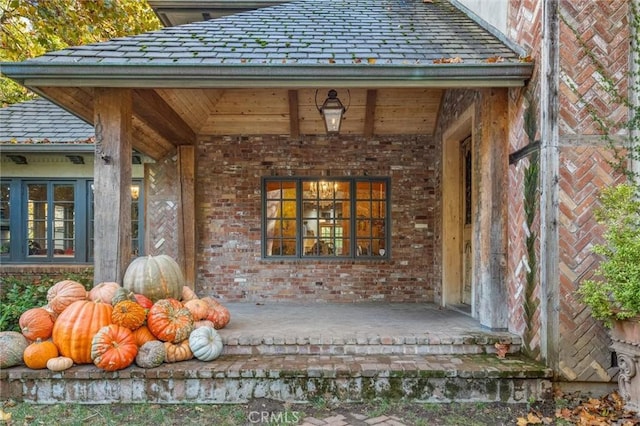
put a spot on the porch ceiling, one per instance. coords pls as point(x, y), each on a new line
point(165, 118)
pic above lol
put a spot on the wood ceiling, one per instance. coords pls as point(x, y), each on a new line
point(164, 118)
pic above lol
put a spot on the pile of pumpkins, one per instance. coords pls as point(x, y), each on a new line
point(150, 319)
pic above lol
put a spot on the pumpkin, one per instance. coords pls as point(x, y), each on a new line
point(143, 335)
point(123, 294)
point(143, 301)
point(151, 354)
point(218, 314)
point(74, 329)
point(198, 308)
point(113, 348)
point(205, 343)
point(128, 314)
point(202, 323)
point(170, 321)
point(38, 353)
point(59, 363)
point(177, 352)
point(104, 291)
point(36, 323)
point(64, 293)
point(12, 346)
point(156, 277)
point(188, 294)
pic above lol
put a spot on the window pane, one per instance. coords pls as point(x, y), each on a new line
point(63, 220)
point(37, 218)
point(5, 230)
point(281, 218)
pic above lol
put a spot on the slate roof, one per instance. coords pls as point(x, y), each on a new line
point(39, 121)
point(356, 39)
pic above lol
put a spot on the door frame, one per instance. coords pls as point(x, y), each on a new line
point(452, 214)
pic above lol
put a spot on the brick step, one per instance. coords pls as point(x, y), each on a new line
point(369, 344)
point(295, 378)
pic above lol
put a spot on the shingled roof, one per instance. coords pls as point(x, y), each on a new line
point(39, 121)
point(305, 40)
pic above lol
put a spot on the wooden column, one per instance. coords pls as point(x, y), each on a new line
point(490, 262)
point(112, 184)
point(186, 212)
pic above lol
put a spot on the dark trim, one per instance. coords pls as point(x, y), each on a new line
point(518, 155)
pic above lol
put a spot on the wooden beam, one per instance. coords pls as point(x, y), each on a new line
point(294, 116)
point(76, 100)
point(186, 213)
point(370, 112)
point(157, 114)
point(112, 184)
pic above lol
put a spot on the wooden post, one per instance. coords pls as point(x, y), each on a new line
point(186, 213)
point(490, 261)
point(112, 184)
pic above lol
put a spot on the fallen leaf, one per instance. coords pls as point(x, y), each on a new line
point(533, 419)
point(456, 60)
point(371, 60)
point(522, 421)
point(495, 59)
point(5, 417)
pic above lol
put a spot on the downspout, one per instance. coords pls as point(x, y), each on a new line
point(549, 177)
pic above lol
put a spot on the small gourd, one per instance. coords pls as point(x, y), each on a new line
point(59, 363)
point(205, 343)
point(151, 354)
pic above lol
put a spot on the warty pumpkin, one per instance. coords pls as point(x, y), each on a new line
point(38, 353)
point(170, 321)
point(177, 352)
point(36, 323)
point(59, 363)
point(12, 346)
point(205, 343)
point(64, 293)
point(218, 314)
point(113, 348)
point(128, 314)
point(156, 277)
point(151, 354)
point(123, 294)
point(74, 329)
point(103, 292)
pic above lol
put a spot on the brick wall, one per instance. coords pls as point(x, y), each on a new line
point(228, 214)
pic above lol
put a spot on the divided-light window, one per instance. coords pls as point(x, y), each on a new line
point(326, 218)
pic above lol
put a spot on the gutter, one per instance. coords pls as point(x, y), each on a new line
point(47, 148)
point(37, 74)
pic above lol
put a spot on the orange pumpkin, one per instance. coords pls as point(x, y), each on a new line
point(36, 323)
point(64, 293)
point(104, 292)
point(75, 327)
point(176, 352)
point(218, 314)
point(170, 321)
point(113, 348)
point(128, 314)
point(38, 353)
point(143, 301)
point(198, 308)
point(143, 335)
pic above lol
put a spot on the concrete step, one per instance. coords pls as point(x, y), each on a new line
point(295, 378)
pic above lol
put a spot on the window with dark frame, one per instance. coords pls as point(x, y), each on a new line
point(325, 217)
point(52, 220)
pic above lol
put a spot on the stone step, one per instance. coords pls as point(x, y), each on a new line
point(294, 378)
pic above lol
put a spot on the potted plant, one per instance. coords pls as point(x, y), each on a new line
point(614, 293)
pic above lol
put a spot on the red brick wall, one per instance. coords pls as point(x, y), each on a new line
point(228, 213)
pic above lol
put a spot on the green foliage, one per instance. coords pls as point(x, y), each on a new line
point(615, 294)
point(19, 294)
point(31, 28)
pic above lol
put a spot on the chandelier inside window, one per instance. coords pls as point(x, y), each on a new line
point(322, 189)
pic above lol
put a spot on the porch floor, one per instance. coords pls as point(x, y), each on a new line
point(362, 328)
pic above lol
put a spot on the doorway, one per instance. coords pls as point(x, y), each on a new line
point(458, 217)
